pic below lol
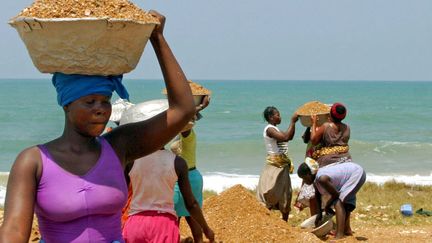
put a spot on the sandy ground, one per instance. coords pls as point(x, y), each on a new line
point(235, 216)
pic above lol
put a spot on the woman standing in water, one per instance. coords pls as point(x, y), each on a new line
point(274, 186)
point(75, 183)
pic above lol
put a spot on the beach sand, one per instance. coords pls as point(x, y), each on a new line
point(236, 216)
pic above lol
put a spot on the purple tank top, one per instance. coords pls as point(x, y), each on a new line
point(72, 208)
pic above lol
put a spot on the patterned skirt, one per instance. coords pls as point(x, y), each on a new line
point(274, 188)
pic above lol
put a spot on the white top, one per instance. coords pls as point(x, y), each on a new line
point(153, 178)
point(272, 145)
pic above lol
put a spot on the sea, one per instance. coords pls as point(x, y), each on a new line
point(391, 134)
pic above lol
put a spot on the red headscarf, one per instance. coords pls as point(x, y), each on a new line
point(334, 112)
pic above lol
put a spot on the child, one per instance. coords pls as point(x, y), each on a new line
point(152, 217)
point(306, 195)
point(310, 148)
point(151, 213)
point(342, 182)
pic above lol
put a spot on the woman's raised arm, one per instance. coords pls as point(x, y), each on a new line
point(135, 140)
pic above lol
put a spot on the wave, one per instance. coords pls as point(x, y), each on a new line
point(219, 181)
point(386, 143)
point(407, 179)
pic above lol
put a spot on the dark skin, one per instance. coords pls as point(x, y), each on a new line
point(342, 215)
point(204, 103)
point(190, 202)
point(195, 227)
point(312, 201)
point(281, 136)
point(77, 149)
point(317, 132)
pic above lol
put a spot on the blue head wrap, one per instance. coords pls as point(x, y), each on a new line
point(71, 87)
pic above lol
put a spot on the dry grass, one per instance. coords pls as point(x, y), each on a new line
point(381, 204)
point(207, 194)
point(378, 205)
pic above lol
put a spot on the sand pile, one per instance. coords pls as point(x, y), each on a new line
point(35, 235)
point(236, 216)
point(121, 9)
point(313, 107)
point(197, 89)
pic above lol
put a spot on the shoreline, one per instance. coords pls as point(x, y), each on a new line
point(218, 182)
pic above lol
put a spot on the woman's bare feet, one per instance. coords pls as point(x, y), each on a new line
point(339, 236)
point(187, 240)
point(348, 232)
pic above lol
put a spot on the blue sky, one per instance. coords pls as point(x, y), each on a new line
point(280, 39)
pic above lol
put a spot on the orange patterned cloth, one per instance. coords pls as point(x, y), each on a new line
point(329, 150)
point(125, 209)
point(280, 161)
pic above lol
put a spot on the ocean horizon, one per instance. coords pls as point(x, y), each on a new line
point(389, 120)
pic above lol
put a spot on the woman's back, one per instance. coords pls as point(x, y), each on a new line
point(188, 148)
point(335, 136)
point(344, 177)
point(153, 178)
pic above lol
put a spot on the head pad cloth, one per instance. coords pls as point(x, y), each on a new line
point(71, 87)
point(312, 164)
point(334, 112)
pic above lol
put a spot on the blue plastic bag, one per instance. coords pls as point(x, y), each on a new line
point(406, 210)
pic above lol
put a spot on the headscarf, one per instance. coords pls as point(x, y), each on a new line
point(312, 164)
point(334, 112)
point(71, 87)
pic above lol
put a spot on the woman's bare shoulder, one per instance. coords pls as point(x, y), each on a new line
point(29, 156)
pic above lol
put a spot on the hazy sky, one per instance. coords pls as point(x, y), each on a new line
point(279, 39)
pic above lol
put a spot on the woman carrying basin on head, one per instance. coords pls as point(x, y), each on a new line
point(332, 136)
point(75, 183)
point(338, 176)
point(185, 147)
